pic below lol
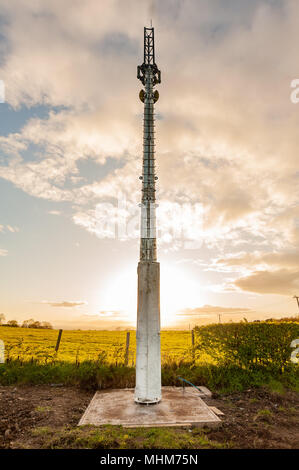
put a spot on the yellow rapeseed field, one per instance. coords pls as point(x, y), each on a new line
point(28, 343)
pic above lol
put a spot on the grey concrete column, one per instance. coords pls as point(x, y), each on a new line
point(148, 353)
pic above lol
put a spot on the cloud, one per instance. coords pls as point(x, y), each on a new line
point(66, 304)
point(3, 252)
point(212, 314)
point(54, 212)
point(97, 322)
point(12, 229)
point(287, 259)
point(114, 314)
point(227, 143)
point(211, 310)
point(281, 282)
point(260, 272)
point(9, 228)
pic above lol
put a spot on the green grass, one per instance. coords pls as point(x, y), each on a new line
point(264, 412)
point(276, 386)
point(92, 376)
point(43, 409)
point(117, 437)
point(264, 415)
point(227, 358)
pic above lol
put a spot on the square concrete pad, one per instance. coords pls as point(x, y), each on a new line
point(178, 407)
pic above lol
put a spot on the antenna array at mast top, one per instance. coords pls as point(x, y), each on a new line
point(149, 58)
point(149, 46)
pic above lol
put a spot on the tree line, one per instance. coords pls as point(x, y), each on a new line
point(31, 323)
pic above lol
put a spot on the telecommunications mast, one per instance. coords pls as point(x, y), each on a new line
point(148, 352)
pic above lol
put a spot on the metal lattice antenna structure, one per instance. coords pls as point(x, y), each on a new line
point(148, 350)
point(149, 75)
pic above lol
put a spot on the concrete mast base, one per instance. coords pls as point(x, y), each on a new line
point(148, 350)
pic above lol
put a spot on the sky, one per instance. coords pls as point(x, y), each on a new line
point(71, 154)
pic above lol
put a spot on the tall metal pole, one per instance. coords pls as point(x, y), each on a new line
point(148, 351)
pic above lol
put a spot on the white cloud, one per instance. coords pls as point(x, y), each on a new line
point(282, 282)
point(54, 212)
point(12, 229)
point(65, 303)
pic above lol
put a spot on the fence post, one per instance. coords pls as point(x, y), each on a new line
point(127, 348)
point(58, 340)
point(2, 352)
point(193, 351)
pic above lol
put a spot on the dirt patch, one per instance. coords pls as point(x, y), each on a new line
point(23, 409)
point(258, 419)
point(252, 419)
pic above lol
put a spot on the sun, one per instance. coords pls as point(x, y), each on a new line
point(179, 289)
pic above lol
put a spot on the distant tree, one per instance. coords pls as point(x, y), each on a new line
point(31, 323)
point(2, 318)
point(12, 323)
point(286, 319)
point(26, 323)
point(46, 325)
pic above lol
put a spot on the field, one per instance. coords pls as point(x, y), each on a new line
point(247, 366)
point(78, 346)
point(225, 357)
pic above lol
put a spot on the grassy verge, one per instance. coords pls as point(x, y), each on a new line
point(91, 375)
point(117, 437)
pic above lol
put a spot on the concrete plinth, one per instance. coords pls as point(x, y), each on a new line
point(177, 408)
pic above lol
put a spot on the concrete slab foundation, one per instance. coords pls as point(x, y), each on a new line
point(178, 407)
